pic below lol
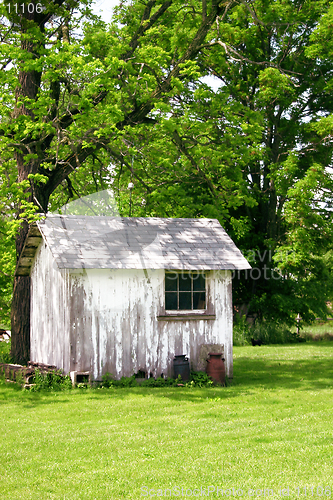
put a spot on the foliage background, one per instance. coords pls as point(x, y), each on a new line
point(254, 152)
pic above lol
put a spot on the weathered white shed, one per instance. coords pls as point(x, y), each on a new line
point(123, 295)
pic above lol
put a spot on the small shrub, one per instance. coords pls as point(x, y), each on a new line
point(5, 356)
point(200, 379)
point(161, 382)
point(267, 332)
point(273, 333)
point(109, 381)
point(126, 382)
point(151, 382)
point(51, 381)
point(19, 379)
point(197, 379)
point(241, 332)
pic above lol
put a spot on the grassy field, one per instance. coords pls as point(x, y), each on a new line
point(319, 330)
point(269, 434)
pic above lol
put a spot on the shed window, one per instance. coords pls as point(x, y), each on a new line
point(185, 291)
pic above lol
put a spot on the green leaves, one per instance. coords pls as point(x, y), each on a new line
point(275, 86)
point(88, 106)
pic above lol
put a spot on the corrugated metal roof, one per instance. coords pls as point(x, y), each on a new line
point(139, 243)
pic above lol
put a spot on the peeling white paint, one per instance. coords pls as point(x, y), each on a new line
point(106, 320)
point(49, 311)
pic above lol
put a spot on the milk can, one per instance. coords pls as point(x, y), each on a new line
point(181, 366)
point(215, 368)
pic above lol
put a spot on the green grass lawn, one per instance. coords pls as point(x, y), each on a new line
point(271, 429)
point(319, 330)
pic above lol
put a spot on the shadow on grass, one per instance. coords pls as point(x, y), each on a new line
point(301, 374)
point(13, 393)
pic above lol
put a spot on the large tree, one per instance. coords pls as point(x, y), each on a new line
point(266, 67)
point(79, 95)
point(71, 87)
point(253, 152)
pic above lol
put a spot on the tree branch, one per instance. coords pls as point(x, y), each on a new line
point(140, 112)
point(179, 143)
point(121, 159)
point(139, 115)
point(145, 26)
point(68, 119)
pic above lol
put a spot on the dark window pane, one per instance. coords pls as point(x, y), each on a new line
point(199, 300)
point(199, 282)
point(171, 282)
point(171, 301)
point(184, 282)
point(185, 300)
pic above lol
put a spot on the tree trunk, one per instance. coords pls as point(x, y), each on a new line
point(20, 311)
point(20, 320)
